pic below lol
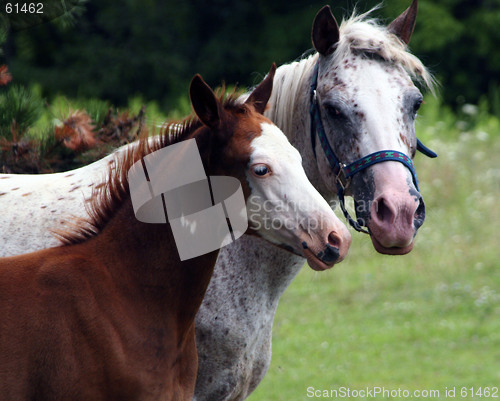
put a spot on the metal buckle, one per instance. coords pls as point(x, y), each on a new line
point(341, 178)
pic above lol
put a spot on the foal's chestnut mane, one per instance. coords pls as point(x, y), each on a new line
point(108, 196)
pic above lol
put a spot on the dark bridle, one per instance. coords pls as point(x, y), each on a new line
point(343, 172)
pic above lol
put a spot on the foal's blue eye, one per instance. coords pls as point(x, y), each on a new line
point(261, 170)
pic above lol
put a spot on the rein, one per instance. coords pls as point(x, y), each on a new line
point(342, 172)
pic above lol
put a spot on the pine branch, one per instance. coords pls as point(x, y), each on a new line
point(19, 106)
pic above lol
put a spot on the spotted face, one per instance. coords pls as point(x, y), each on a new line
point(368, 103)
point(368, 106)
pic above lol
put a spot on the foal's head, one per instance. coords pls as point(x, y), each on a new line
point(234, 139)
point(282, 205)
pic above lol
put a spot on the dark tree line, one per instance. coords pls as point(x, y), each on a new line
point(114, 50)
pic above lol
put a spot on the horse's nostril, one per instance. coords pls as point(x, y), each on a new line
point(330, 254)
point(419, 216)
point(384, 212)
point(334, 240)
point(332, 251)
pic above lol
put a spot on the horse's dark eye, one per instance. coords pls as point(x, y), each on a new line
point(416, 106)
point(334, 112)
point(261, 170)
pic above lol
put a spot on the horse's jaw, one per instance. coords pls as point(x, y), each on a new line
point(391, 250)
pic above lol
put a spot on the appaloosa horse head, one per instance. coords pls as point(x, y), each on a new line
point(359, 93)
point(367, 103)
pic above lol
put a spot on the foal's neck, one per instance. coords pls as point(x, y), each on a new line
point(145, 256)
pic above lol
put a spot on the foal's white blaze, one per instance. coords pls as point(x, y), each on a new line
point(284, 207)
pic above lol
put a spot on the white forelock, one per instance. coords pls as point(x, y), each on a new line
point(362, 34)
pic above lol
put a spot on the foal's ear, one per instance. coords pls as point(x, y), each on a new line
point(205, 103)
point(325, 31)
point(403, 25)
point(261, 94)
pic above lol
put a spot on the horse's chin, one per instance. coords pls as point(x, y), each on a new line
point(315, 263)
point(391, 250)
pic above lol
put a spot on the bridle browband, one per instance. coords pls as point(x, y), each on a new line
point(342, 172)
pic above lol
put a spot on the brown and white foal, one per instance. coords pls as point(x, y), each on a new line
point(110, 314)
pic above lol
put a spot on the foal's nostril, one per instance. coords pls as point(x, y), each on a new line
point(330, 254)
point(334, 240)
point(332, 251)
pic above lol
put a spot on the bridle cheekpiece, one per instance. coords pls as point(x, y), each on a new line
point(342, 172)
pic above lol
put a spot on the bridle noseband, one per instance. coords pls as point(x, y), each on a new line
point(342, 172)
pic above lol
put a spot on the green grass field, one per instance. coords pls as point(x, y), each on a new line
point(426, 321)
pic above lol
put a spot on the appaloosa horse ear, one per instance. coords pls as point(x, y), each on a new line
point(403, 25)
point(261, 94)
point(325, 31)
point(205, 103)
